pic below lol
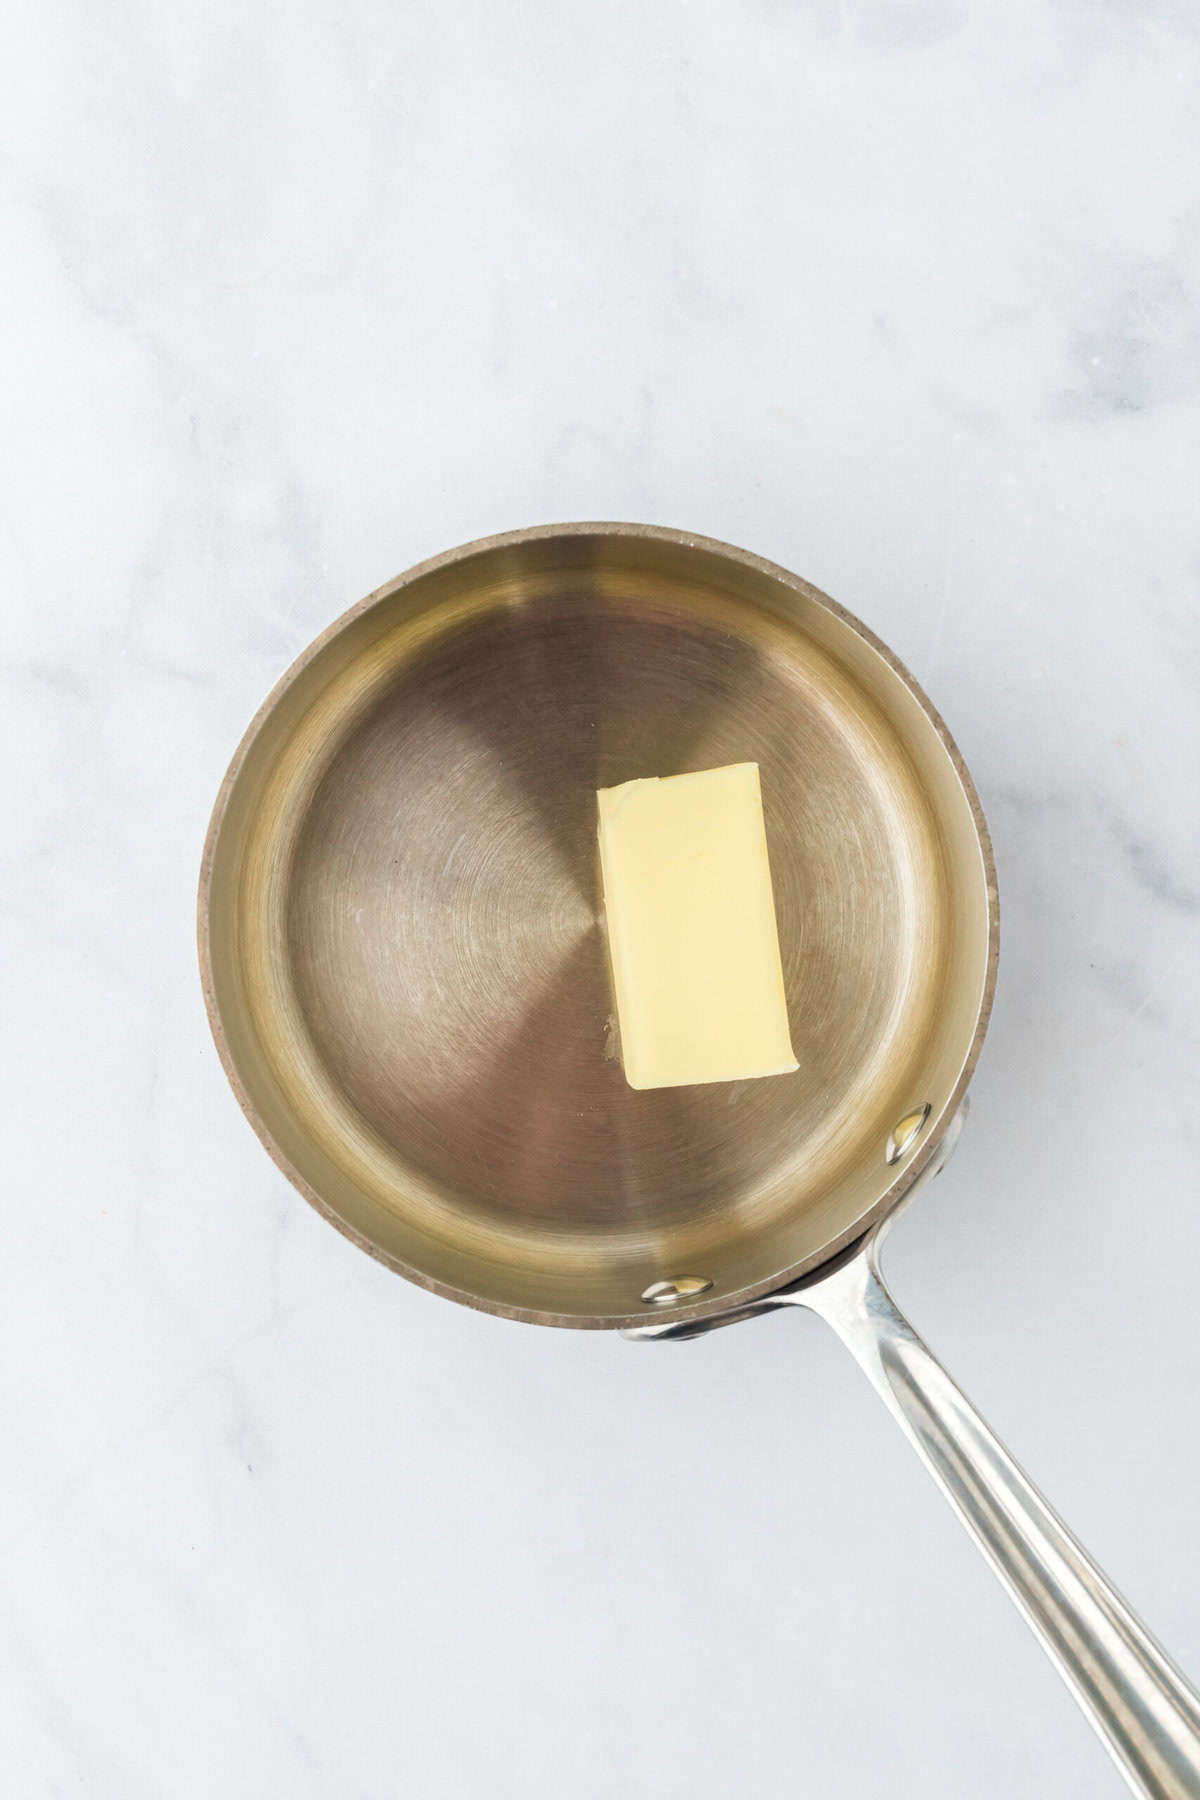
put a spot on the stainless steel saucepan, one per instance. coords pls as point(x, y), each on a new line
point(403, 959)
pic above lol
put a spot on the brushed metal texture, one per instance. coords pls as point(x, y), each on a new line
point(402, 937)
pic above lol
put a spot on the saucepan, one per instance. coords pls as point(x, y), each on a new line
point(403, 956)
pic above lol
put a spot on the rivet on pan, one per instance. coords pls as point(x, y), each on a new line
point(906, 1131)
point(671, 1293)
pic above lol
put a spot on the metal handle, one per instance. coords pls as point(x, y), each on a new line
point(1143, 1708)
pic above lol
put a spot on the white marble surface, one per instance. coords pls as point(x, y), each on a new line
point(906, 296)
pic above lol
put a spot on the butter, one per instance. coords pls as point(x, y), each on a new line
point(691, 929)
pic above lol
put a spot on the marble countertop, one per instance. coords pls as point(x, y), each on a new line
point(904, 296)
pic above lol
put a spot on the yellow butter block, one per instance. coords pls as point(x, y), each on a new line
point(691, 929)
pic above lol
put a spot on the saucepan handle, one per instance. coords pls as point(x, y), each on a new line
point(1144, 1709)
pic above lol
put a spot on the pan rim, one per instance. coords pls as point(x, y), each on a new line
point(726, 1301)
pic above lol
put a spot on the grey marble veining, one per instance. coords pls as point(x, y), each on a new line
point(904, 295)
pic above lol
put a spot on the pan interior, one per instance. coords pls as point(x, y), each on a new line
point(419, 1008)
